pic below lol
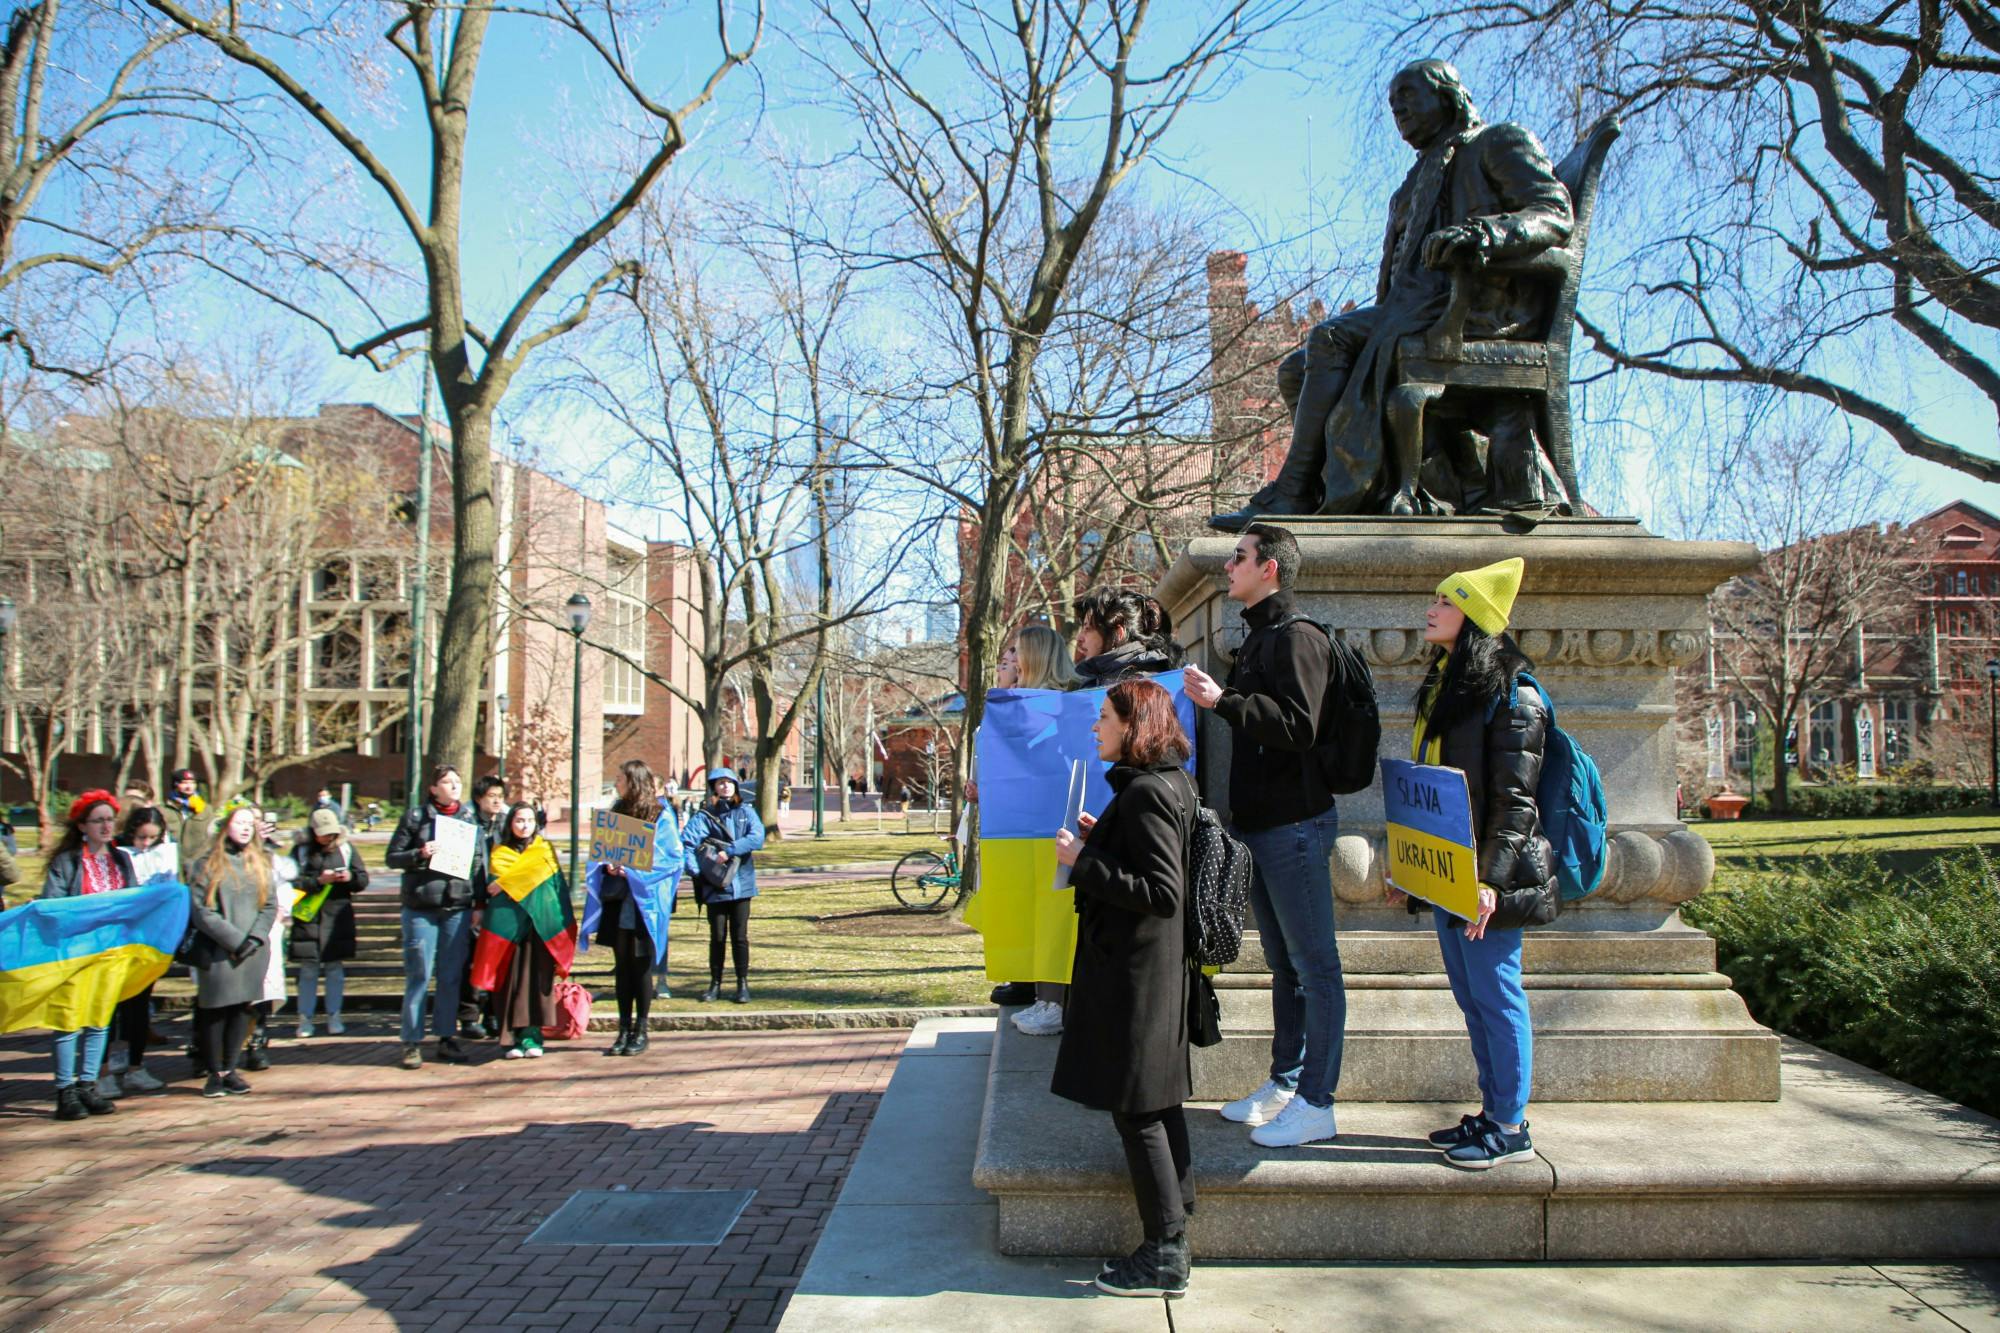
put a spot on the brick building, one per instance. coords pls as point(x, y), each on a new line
point(554, 541)
point(1911, 688)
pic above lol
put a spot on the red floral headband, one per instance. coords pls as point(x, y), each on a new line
point(81, 805)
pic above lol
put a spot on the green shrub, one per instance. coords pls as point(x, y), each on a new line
point(1899, 973)
point(1852, 801)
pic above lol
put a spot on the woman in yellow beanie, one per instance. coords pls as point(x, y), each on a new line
point(1473, 714)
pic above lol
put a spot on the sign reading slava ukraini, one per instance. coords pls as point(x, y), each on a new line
point(1429, 816)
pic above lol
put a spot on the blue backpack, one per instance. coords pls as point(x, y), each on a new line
point(1570, 800)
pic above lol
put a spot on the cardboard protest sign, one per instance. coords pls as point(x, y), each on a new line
point(621, 840)
point(1429, 815)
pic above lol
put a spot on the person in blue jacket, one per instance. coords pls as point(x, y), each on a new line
point(628, 910)
point(720, 830)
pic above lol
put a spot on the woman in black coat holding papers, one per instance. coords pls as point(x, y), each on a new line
point(1125, 1040)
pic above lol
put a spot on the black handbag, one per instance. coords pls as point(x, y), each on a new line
point(1204, 1011)
point(717, 869)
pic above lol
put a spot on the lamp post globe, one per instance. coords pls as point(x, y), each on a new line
point(578, 608)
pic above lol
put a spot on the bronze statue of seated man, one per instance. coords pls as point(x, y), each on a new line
point(1478, 194)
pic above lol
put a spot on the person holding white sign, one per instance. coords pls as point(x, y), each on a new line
point(441, 853)
point(1474, 715)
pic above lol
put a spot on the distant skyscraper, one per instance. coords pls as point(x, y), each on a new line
point(941, 622)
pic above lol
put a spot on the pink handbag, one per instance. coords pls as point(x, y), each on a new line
point(572, 1011)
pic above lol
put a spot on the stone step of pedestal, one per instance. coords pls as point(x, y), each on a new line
point(1602, 1041)
point(1664, 950)
point(1847, 1165)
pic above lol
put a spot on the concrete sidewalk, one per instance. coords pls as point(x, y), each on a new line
point(911, 1244)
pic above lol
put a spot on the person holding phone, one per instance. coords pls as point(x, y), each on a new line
point(330, 873)
point(1475, 715)
point(720, 840)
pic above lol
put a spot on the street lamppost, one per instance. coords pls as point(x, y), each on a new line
point(500, 701)
point(578, 607)
point(1993, 731)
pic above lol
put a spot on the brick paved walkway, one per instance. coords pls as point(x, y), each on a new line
point(347, 1193)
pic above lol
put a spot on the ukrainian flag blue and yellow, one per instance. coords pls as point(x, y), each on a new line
point(1027, 742)
point(65, 963)
point(1428, 813)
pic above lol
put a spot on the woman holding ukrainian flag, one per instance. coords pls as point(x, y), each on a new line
point(1476, 713)
point(529, 935)
point(86, 862)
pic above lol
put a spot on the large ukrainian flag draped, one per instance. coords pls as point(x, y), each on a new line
point(1026, 744)
point(65, 963)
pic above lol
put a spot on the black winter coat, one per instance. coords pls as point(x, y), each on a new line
point(328, 937)
point(1124, 1040)
point(1272, 704)
point(423, 890)
point(1501, 757)
point(1134, 659)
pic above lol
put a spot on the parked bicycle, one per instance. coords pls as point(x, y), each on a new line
point(921, 879)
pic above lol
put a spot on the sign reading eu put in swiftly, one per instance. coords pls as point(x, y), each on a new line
point(1429, 816)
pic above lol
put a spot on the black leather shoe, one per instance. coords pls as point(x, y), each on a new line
point(713, 992)
point(1014, 992)
point(69, 1106)
point(624, 1038)
point(638, 1042)
point(91, 1100)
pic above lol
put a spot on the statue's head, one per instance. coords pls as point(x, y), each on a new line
point(1427, 100)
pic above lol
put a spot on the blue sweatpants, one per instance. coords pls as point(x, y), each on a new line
point(1485, 977)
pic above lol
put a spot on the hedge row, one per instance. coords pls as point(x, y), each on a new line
point(1859, 802)
point(1899, 973)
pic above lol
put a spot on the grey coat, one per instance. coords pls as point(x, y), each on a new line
point(224, 976)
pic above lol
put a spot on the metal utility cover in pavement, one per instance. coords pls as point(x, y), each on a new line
point(643, 1217)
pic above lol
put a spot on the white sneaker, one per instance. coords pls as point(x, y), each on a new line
point(109, 1088)
point(1043, 1018)
point(514, 1053)
point(1299, 1123)
point(1260, 1107)
point(138, 1080)
point(335, 1026)
point(306, 1028)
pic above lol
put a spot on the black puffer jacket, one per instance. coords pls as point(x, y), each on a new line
point(1501, 756)
point(1131, 660)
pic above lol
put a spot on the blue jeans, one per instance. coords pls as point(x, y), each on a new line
point(1291, 897)
point(336, 985)
point(79, 1061)
point(1485, 976)
point(434, 942)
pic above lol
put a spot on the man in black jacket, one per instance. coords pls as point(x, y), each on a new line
point(1281, 808)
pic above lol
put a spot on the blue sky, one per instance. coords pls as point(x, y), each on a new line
point(1300, 154)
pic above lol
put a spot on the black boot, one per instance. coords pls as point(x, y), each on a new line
point(92, 1101)
point(714, 991)
point(638, 1042)
point(257, 1055)
point(624, 1039)
point(1157, 1268)
point(742, 992)
point(69, 1106)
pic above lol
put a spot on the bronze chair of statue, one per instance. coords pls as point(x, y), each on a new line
point(1455, 397)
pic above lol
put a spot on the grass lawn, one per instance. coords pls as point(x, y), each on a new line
point(1904, 844)
point(860, 847)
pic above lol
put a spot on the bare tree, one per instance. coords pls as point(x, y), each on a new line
point(1785, 633)
point(440, 48)
point(998, 152)
point(1832, 170)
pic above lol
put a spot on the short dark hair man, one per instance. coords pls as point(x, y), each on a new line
point(1282, 809)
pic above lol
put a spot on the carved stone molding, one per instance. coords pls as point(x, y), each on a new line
point(1643, 868)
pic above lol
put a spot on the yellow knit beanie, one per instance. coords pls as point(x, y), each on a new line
point(1486, 595)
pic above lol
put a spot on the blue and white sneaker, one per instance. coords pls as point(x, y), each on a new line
point(1465, 1131)
point(1491, 1147)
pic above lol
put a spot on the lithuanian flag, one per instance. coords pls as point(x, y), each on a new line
point(65, 963)
point(528, 900)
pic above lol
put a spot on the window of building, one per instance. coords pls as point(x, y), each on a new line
point(336, 661)
point(381, 579)
point(1899, 731)
point(625, 633)
point(1961, 584)
point(1823, 746)
point(1743, 736)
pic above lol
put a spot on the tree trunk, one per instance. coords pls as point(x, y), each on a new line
point(465, 638)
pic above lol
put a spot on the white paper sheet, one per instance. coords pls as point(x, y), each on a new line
point(1072, 817)
point(456, 840)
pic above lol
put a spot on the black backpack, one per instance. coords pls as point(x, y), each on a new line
point(1350, 725)
point(1218, 880)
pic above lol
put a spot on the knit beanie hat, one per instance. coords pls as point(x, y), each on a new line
point(1486, 595)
